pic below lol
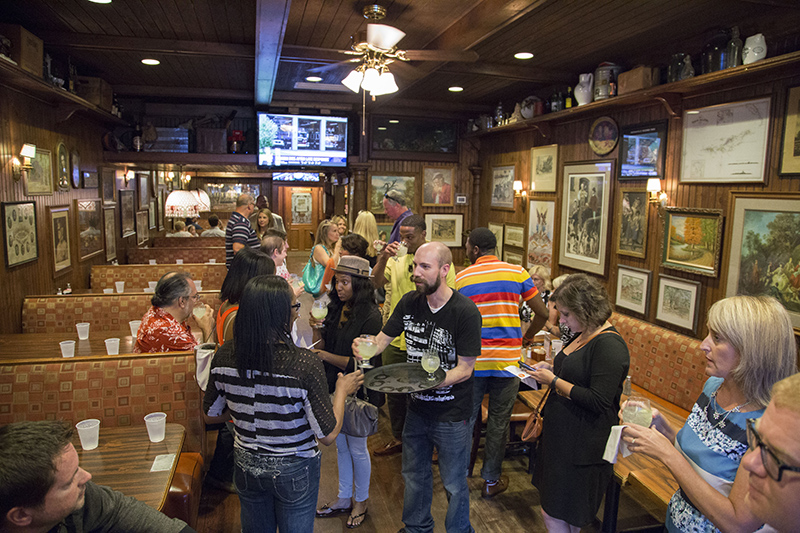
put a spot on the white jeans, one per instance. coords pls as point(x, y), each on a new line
point(354, 467)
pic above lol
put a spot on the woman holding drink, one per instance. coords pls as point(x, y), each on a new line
point(750, 346)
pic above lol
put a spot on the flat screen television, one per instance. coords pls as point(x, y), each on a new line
point(296, 176)
point(301, 142)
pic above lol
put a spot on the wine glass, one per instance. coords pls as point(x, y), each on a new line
point(637, 411)
point(430, 363)
point(367, 348)
point(319, 310)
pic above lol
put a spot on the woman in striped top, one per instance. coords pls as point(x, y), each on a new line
point(277, 396)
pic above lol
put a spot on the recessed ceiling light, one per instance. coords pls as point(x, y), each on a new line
point(381, 128)
point(523, 55)
point(151, 61)
point(693, 112)
point(455, 89)
point(314, 79)
point(394, 121)
point(100, 1)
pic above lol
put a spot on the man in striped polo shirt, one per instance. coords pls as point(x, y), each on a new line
point(239, 232)
point(496, 287)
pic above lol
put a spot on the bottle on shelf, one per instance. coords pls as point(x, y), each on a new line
point(68, 290)
point(569, 101)
point(498, 114)
point(735, 45)
point(555, 101)
point(627, 387)
point(137, 139)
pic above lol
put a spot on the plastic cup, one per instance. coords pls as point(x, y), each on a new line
point(212, 261)
point(89, 433)
point(67, 348)
point(152, 284)
point(134, 324)
point(156, 426)
point(152, 261)
point(120, 285)
point(637, 410)
point(198, 285)
point(112, 346)
point(83, 330)
point(149, 290)
point(108, 291)
point(555, 346)
point(179, 261)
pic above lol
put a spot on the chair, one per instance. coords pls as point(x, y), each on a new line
point(519, 415)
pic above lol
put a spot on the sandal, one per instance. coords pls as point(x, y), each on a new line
point(327, 511)
point(351, 521)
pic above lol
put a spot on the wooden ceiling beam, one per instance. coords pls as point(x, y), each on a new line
point(271, 19)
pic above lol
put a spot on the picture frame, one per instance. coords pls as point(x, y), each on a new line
point(62, 167)
point(384, 228)
point(603, 136)
point(438, 186)
point(642, 152)
point(790, 154)
point(584, 215)
point(497, 229)
point(39, 179)
point(445, 228)
point(678, 300)
point(110, 223)
point(633, 289)
point(514, 257)
point(89, 227)
point(142, 230)
point(90, 180)
point(75, 162)
point(413, 138)
point(141, 181)
point(20, 233)
point(544, 168)
point(761, 236)
point(726, 143)
point(692, 240)
point(162, 199)
point(632, 215)
point(541, 227)
point(503, 187)
point(381, 183)
point(60, 239)
point(514, 235)
point(127, 214)
point(108, 179)
point(152, 214)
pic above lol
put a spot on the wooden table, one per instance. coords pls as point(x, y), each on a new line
point(124, 457)
point(35, 346)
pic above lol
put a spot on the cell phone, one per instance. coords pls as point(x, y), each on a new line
point(526, 366)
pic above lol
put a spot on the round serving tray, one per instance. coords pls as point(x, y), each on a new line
point(401, 378)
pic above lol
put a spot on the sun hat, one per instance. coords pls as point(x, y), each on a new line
point(353, 265)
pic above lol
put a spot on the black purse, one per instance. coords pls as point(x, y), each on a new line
point(360, 418)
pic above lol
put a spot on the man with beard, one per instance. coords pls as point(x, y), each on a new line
point(435, 317)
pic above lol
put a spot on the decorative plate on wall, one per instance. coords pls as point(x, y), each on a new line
point(603, 135)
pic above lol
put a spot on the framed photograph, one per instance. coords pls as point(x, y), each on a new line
point(144, 196)
point(633, 289)
point(19, 232)
point(62, 167)
point(603, 136)
point(584, 215)
point(692, 240)
point(790, 147)
point(162, 199)
point(110, 220)
point(89, 224)
point(514, 235)
point(497, 229)
point(152, 214)
point(513, 256)
point(632, 223)
point(643, 149)
point(108, 179)
point(381, 184)
point(142, 230)
point(678, 300)
point(762, 247)
point(75, 162)
point(384, 230)
point(59, 232)
point(503, 187)
point(127, 213)
point(725, 143)
point(541, 220)
point(39, 179)
point(437, 185)
point(411, 138)
point(445, 228)
point(90, 180)
point(544, 163)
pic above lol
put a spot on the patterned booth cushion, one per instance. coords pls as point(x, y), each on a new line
point(177, 242)
point(166, 255)
point(136, 277)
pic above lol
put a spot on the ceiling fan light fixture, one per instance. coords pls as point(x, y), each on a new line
point(383, 36)
point(384, 85)
point(523, 55)
point(370, 80)
point(353, 80)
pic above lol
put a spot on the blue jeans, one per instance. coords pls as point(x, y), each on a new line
point(502, 395)
point(452, 440)
point(283, 499)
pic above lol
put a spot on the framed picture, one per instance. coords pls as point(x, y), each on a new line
point(19, 232)
point(762, 247)
point(678, 300)
point(544, 163)
point(75, 161)
point(110, 220)
point(39, 179)
point(633, 288)
point(89, 224)
point(90, 180)
point(514, 235)
point(142, 178)
point(643, 149)
point(381, 184)
point(632, 223)
point(725, 143)
point(497, 229)
point(162, 198)
point(437, 185)
point(108, 179)
point(59, 232)
point(152, 214)
point(62, 167)
point(692, 240)
point(142, 231)
point(127, 213)
point(513, 256)
point(584, 215)
point(418, 139)
point(541, 217)
point(790, 148)
point(384, 230)
point(445, 228)
point(503, 187)
point(603, 136)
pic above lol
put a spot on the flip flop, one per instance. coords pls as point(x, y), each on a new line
point(352, 519)
point(327, 511)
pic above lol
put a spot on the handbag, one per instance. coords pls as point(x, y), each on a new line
point(533, 427)
point(313, 273)
point(360, 418)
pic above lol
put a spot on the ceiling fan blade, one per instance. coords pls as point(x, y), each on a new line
point(383, 36)
point(331, 66)
point(467, 56)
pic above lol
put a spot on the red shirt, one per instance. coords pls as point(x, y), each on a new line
point(160, 332)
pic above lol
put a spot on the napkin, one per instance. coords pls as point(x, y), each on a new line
point(526, 379)
point(615, 444)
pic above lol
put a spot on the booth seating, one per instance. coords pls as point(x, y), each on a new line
point(169, 255)
point(188, 242)
point(136, 277)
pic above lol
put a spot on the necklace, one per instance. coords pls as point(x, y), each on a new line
point(716, 416)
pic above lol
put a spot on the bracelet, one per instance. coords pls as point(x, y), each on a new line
point(553, 383)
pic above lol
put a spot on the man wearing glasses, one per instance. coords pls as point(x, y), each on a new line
point(773, 460)
point(165, 326)
point(395, 206)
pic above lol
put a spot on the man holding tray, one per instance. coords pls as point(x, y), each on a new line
point(434, 316)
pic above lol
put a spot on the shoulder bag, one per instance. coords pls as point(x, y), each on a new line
point(360, 418)
point(533, 427)
point(313, 273)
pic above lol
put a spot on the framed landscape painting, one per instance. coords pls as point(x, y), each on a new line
point(633, 288)
point(382, 184)
point(677, 302)
point(89, 223)
point(692, 240)
point(541, 219)
point(632, 223)
point(503, 187)
point(59, 232)
point(445, 228)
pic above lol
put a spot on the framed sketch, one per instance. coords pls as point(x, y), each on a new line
point(541, 217)
point(89, 224)
point(584, 215)
point(39, 179)
point(108, 179)
point(633, 289)
point(790, 147)
point(514, 235)
point(75, 162)
point(632, 222)
point(762, 247)
point(692, 240)
point(497, 229)
point(445, 228)
point(384, 230)
point(90, 180)
point(110, 222)
point(62, 167)
point(127, 213)
point(437, 185)
point(725, 143)
point(142, 178)
point(643, 149)
point(513, 256)
point(678, 300)
point(19, 232)
point(544, 163)
point(142, 231)
point(162, 199)
point(403, 184)
point(603, 136)
point(59, 233)
point(152, 214)
point(503, 187)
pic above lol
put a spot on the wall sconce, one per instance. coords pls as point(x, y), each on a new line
point(520, 193)
point(27, 153)
point(128, 176)
point(657, 196)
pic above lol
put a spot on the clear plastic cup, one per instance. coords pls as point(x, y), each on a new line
point(89, 433)
point(152, 284)
point(112, 346)
point(152, 261)
point(156, 426)
point(212, 261)
point(134, 324)
point(83, 330)
point(198, 285)
point(67, 348)
point(556, 346)
point(120, 285)
point(108, 291)
point(179, 261)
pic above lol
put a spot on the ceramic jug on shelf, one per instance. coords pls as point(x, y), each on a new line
point(755, 48)
point(584, 91)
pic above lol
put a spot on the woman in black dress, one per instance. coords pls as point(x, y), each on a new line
point(587, 377)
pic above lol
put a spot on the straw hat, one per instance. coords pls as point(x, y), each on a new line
point(353, 265)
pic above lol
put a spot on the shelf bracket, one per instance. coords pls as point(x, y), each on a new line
point(544, 129)
point(65, 111)
point(672, 103)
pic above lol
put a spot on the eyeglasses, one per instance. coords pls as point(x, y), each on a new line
point(196, 296)
point(296, 306)
point(772, 464)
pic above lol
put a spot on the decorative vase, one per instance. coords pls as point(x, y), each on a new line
point(755, 48)
point(584, 91)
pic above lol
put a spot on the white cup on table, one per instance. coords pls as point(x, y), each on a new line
point(108, 291)
point(179, 261)
point(83, 330)
point(134, 324)
point(120, 285)
point(152, 284)
point(212, 261)
point(89, 433)
point(112, 346)
point(152, 261)
point(198, 285)
point(67, 348)
point(156, 426)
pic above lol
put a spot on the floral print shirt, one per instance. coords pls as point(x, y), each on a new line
point(161, 332)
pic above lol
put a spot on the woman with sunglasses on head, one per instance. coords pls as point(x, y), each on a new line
point(750, 346)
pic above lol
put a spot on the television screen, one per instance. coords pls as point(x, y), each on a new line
point(642, 151)
point(295, 176)
point(301, 141)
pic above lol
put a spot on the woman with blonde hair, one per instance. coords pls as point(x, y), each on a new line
point(367, 227)
point(341, 223)
point(540, 275)
point(263, 221)
point(326, 248)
